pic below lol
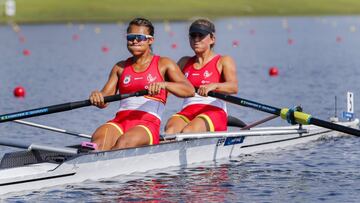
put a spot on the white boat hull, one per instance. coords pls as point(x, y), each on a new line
point(102, 165)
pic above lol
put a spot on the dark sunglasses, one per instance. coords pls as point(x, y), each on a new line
point(194, 35)
point(137, 37)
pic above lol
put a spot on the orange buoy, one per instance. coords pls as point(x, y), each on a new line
point(273, 71)
point(26, 52)
point(19, 91)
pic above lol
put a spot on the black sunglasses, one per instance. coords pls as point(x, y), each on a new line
point(137, 37)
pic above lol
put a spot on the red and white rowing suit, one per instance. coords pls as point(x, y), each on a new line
point(211, 109)
point(143, 111)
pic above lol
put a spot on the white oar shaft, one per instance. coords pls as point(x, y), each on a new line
point(52, 128)
point(30, 147)
point(251, 125)
point(237, 134)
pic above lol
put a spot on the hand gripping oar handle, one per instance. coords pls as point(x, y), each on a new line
point(64, 107)
point(300, 117)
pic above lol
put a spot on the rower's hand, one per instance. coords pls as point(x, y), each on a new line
point(155, 88)
point(97, 99)
point(203, 90)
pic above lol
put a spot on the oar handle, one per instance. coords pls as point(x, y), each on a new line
point(64, 107)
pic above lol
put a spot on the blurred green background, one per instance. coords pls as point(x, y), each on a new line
point(60, 11)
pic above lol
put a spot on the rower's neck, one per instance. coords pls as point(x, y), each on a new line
point(205, 57)
point(141, 62)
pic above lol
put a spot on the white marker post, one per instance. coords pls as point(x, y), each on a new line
point(10, 8)
point(349, 114)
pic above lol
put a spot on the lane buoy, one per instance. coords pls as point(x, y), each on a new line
point(26, 52)
point(19, 91)
point(235, 43)
point(105, 49)
point(22, 39)
point(75, 37)
point(290, 41)
point(273, 71)
point(338, 39)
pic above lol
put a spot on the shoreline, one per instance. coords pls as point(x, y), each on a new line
point(113, 11)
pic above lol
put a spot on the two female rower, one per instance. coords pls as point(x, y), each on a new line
point(137, 121)
point(207, 71)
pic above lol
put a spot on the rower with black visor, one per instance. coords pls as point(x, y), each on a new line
point(207, 71)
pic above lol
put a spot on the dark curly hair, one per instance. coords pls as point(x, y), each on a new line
point(142, 22)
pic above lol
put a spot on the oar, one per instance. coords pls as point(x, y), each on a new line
point(251, 125)
point(300, 117)
point(59, 130)
point(11, 143)
point(63, 107)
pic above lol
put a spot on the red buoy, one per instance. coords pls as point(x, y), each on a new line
point(174, 45)
point(273, 71)
point(235, 43)
point(338, 39)
point(26, 52)
point(290, 41)
point(19, 91)
point(105, 49)
point(252, 31)
point(22, 39)
point(75, 37)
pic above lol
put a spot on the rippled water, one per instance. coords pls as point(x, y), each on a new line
point(322, 62)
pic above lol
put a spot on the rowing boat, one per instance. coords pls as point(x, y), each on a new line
point(41, 167)
point(45, 166)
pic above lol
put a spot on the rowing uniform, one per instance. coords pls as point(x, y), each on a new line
point(212, 110)
point(143, 111)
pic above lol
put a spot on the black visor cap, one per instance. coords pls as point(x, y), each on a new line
point(199, 28)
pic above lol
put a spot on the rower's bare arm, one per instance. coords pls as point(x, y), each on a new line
point(110, 88)
point(230, 84)
point(177, 83)
point(227, 68)
point(182, 62)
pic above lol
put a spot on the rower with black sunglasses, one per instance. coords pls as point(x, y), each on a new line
point(137, 121)
point(207, 71)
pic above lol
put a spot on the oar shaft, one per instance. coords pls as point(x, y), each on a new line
point(11, 143)
point(59, 130)
point(333, 126)
point(63, 107)
point(300, 117)
point(246, 103)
